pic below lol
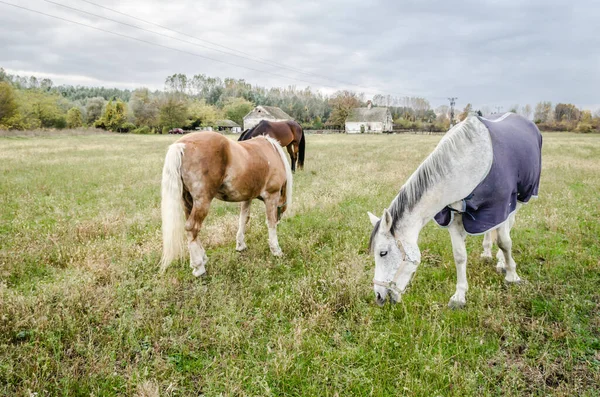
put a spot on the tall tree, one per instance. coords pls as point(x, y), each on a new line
point(8, 102)
point(144, 107)
point(93, 109)
point(543, 112)
point(566, 112)
point(114, 116)
point(465, 113)
point(526, 111)
point(201, 115)
point(173, 111)
point(74, 118)
point(342, 104)
point(236, 108)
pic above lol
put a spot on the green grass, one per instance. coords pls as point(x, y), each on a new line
point(84, 312)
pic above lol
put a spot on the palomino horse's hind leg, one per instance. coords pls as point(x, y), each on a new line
point(193, 225)
point(293, 156)
point(271, 211)
point(505, 245)
point(244, 216)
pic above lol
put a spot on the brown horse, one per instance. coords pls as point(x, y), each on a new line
point(288, 133)
point(204, 165)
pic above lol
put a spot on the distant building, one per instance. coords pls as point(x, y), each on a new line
point(369, 119)
point(228, 125)
point(270, 113)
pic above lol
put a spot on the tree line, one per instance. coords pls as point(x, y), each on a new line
point(201, 101)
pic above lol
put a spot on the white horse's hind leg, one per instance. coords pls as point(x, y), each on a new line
point(487, 245)
point(505, 245)
point(458, 235)
point(244, 216)
point(501, 264)
point(271, 212)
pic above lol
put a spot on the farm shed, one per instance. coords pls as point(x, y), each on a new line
point(270, 113)
point(228, 125)
point(369, 119)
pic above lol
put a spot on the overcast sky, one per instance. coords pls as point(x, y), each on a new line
point(489, 53)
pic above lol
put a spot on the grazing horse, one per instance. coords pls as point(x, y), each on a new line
point(288, 133)
point(204, 165)
point(473, 183)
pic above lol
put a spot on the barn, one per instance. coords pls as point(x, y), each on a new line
point(259, 113)
point(369, 119)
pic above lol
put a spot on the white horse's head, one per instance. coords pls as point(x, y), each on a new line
point(393, 267)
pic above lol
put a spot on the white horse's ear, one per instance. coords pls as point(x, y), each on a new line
point(386, 221)
point(373, 219)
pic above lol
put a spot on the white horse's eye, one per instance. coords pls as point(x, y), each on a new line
point(383, 253)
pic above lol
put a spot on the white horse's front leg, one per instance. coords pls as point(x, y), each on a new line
point(458, 235)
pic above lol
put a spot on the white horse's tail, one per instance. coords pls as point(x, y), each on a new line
point(288, 170)
point(171, 207)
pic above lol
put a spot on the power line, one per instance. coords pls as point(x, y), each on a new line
point(161, 45)
point(253, 57)
point(165, 46)
point(246, 55)
point(170, 37)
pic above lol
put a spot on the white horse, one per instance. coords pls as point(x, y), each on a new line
point(476, 178)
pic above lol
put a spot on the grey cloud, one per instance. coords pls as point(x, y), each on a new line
point(486, 53)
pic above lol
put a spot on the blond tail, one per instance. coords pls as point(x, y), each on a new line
point(172, 207)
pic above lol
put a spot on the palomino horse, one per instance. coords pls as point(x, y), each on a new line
point(288, 133)
point(473, 183)
point(205, 165)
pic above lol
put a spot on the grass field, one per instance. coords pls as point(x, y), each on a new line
point(84, 312)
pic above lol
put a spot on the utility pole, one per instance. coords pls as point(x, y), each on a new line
point(452, 103)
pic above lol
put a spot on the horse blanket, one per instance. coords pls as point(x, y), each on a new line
point(514, 175)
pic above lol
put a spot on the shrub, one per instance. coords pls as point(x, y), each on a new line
point(585, 128)
point(127, 127)
point(142, 130)
point(74, 118)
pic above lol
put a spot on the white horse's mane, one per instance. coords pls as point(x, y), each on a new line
point(432, 169)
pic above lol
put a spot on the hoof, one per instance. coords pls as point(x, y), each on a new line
point(486, 255)
point(241, 247)
point(458, 300)
point(456, 304)
point(516, 281)
point(199, 271)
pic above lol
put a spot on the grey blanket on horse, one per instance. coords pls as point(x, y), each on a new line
point(514, 175)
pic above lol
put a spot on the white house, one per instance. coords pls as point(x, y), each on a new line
point(369, 120)
point(228, 125)
point(259, 113)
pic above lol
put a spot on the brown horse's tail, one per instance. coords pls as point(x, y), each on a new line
point(301, 145)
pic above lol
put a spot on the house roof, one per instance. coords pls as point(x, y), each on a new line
point(226, 123)
point(366, 114)
point(272, 111)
